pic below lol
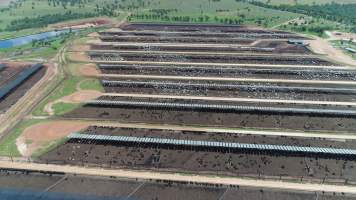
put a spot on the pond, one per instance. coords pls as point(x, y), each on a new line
point(29, 38)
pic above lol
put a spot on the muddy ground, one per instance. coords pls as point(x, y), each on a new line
point(107, 188)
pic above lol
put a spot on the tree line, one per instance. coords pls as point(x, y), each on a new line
point(45, 20)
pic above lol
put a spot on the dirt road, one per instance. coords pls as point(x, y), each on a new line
point(180, 177)
point(322, 46)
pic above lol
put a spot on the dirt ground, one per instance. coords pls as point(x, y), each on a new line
point(78, 97)
point(79, 56)
point(322, 46)
point(89, 70)
point(81, 96)
point(34, 137)
point(240, 120)
point(80, 47)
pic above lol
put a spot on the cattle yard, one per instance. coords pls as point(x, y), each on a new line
point(226, 77)
point(15, 80)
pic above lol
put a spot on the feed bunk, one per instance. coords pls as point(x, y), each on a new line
point(23, 76)
point(240, 87)
point(215, 145)
point(221, 69)
point(224, 108)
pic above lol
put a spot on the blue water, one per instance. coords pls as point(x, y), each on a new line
point(28, 39)
point(16, 194)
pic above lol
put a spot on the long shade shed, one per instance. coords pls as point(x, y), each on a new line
point(4, 91)
point(215, 144)
point(223, 108)
point(241, 87)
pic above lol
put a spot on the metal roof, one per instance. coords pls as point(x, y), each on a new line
point(215, 144)
point(4, 91)
point(224, 108)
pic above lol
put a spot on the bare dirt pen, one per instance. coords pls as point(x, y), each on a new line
point(141, 156)
point(210, 118)
point(81, 186)
point(89, 70)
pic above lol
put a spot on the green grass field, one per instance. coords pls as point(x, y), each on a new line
point(210, 11)
point(310, 2)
